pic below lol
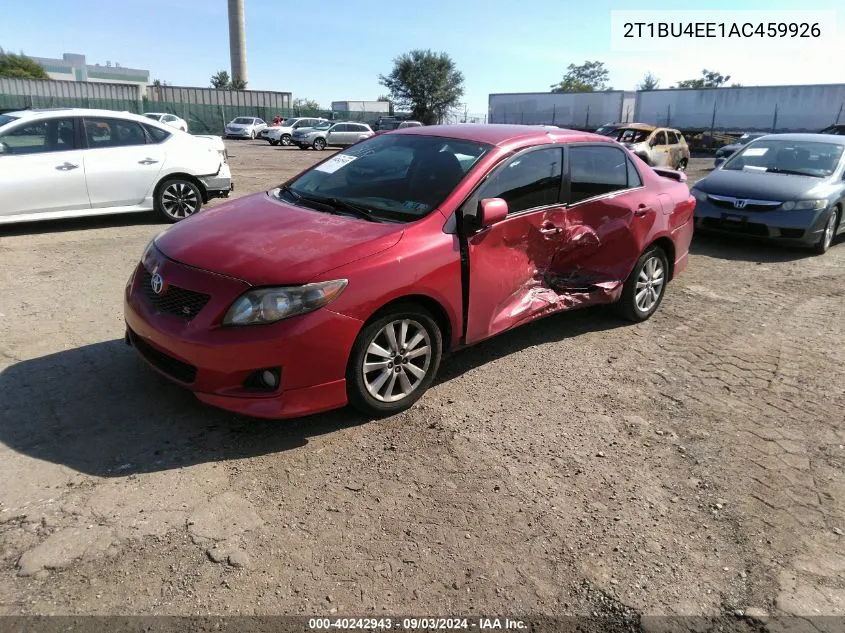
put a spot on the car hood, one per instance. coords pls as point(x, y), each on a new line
point(762, 186)
point(729, 148)
point(264, 241)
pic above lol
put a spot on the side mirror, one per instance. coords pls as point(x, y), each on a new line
point(492, 210)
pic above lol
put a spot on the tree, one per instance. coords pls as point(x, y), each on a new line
point(20, 67)
point(588, 77)
point(221, 80)
point(302, 105)
point(426, 83)
point(708, 79)
point(650, 82)
point(237, 84)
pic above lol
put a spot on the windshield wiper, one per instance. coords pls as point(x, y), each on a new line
point(351, 207)
point(293, 194)
point(791, 172)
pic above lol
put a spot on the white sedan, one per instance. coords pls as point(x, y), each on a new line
point(77, 162)
point(244, 127)
point(168, 119)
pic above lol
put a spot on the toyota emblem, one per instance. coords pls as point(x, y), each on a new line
point(740, 204)
point(157, 284)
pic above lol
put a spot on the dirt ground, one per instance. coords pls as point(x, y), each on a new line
point(689, 465)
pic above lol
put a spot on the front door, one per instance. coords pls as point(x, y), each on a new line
point(42, 169)
point(121, 167)
point(509, 262)
point(660, 149)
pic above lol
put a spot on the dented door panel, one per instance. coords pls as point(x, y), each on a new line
point(508, 268)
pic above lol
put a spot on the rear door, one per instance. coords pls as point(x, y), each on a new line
point(121, 167)
point(42, 168)
point(608, 216)
point(509, 262)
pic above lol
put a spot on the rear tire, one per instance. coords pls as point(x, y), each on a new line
point(400, 367)
point(177, 199)
point(644, 289)
point(829, 233)
point(682, 164)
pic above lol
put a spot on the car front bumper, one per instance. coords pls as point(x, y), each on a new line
point(238, 133)
point(310, 351)
point(802, 228)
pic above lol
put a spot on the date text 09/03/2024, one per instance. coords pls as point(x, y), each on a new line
point(721, 29)
point(416, 624)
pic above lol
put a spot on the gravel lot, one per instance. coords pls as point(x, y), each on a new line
point(692, 464)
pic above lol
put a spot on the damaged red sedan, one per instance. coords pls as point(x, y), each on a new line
point(349, 282)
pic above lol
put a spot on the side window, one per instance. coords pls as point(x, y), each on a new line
point(340, 127)
point(157, 134)
point(673, 138)
point(358, 128)
point(167, 118)
point(595, 171)
point(260, 122)
point(528, 181)
point(660, 138)
point(50, 135)
point(113, 133)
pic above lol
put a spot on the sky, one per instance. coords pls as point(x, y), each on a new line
point(336, 54)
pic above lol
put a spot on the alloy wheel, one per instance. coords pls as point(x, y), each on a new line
point(179, 200)
point(649, 284)
point(397, 360)
point(829, 230)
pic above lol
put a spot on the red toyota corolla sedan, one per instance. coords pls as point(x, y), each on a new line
point(348, 283)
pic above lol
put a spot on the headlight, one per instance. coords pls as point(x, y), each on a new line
point(699, 195)
point(803, 205)
point(268, 305)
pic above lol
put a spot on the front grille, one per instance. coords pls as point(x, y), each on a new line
point(183, 372)
point(176, 301)
point(746, 228)
point(725, 204)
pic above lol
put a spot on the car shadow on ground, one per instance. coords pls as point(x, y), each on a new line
point(100, 410)
point(739, 248)
point(38, 227)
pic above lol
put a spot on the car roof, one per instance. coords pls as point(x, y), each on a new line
point(46, 113)
point(645, 127)
point(832, 139)
point(504, 134)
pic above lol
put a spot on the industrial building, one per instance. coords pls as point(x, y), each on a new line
point(73, 67)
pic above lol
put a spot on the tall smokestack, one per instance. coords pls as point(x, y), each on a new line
point(237, 39)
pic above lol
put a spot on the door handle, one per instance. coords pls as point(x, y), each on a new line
point(642, 210)
point(148, 161)
point(547, 228)
point(66, 166)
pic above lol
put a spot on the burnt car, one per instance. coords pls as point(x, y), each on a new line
point(609, 128)
point(348, 282)
point(726, 151)
point(656, 146)
point(784, 187)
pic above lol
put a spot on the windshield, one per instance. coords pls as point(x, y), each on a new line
point(242, 121)
point(628, 135)
point(803, 158)
point(5, 118)
point(392, 177)
point(323, 125)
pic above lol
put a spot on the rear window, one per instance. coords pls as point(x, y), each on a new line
point(157, 134)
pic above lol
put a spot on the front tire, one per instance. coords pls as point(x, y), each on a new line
point(177, 198)
point(682, 164)
point(319, 144)
point(285, 140)
point(645, 286)
point(829, 233)
point(394, 361)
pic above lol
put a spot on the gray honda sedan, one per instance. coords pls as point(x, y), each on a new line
point(784, 187)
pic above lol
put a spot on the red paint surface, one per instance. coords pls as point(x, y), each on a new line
point(520, 269)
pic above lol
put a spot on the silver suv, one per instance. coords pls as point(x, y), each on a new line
point(331, 134)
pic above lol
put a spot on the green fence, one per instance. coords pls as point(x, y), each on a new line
point(201, 118)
